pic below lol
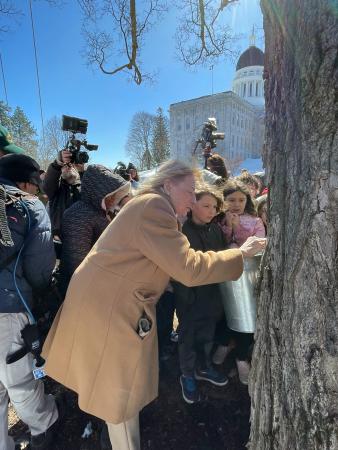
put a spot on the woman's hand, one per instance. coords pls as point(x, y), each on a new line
point(252, 246)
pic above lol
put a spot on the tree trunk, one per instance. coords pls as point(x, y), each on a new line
point(294, 381)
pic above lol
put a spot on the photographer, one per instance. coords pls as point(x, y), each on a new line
point(26, 263)
point(128, 173)
point(216, 165)
point(103, 194)
point(62, 184)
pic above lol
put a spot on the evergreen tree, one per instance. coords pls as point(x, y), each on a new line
point(5, 118)
point(23, 132)
point(160, 147)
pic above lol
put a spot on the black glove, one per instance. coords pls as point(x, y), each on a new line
point(31, 337)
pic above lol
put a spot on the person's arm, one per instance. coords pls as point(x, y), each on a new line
point(51, 182)
point(159, 239)
point(226, 227)
point(38, 254)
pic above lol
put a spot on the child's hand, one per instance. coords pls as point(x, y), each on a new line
point(227, 219)
point(235, 221)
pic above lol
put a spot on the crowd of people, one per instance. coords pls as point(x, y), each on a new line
point(123, 255)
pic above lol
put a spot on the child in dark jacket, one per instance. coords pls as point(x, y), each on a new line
point(199, 308)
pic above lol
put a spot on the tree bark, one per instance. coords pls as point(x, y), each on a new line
point(294, 378)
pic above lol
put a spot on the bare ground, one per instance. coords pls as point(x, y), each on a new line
point(219, 422)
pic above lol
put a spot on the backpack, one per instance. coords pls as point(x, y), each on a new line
point(6, 200)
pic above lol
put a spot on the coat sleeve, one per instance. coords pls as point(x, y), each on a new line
point(52, 180)
point(38, 253)
point(159, 239)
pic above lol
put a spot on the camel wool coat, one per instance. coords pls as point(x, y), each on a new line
point(93, 346)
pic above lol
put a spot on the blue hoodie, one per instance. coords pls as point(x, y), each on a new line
point(37, 260)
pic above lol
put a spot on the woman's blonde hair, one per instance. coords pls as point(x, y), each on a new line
point(170, 170)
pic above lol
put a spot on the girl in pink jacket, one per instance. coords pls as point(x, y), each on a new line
point(238, 223)
point(240, 220)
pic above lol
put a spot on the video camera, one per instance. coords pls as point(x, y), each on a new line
point(75, 125)
point(208, 138)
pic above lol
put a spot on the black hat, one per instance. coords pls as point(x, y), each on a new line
point(20, 168)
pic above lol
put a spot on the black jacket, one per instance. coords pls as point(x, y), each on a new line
point(204, 238)
point(61, 195)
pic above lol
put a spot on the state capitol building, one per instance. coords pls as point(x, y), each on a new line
point(239, 114)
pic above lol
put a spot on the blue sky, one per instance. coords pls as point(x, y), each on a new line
point(70, 87)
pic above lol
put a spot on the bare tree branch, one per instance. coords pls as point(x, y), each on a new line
point(138, 145)
point(8, 12)
point(200, 36)
point(55, 140)
point(123, 40)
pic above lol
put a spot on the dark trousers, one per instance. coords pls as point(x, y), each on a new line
point(165, 316)
point(195, 338)
point(243, 341)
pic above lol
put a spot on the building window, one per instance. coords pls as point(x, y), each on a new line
point(187, 124)
point(244, 90)
point(178, 125)
point(250, 91)
point(256, 88)
point(232, 140)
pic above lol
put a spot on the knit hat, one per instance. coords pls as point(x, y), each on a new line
point(20, 168)
point(99, 181)
point(6, 142)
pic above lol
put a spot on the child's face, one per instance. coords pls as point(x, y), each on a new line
point(236, 202)
point(204, 210)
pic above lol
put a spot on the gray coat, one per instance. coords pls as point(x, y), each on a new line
point(85, 220)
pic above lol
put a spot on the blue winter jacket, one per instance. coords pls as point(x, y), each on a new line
point(37, 260)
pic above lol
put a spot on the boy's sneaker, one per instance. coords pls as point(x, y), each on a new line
point(211, 375)
point(189, 389)
point(243, 368)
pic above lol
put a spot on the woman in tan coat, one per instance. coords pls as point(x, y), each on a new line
point(103, 343)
